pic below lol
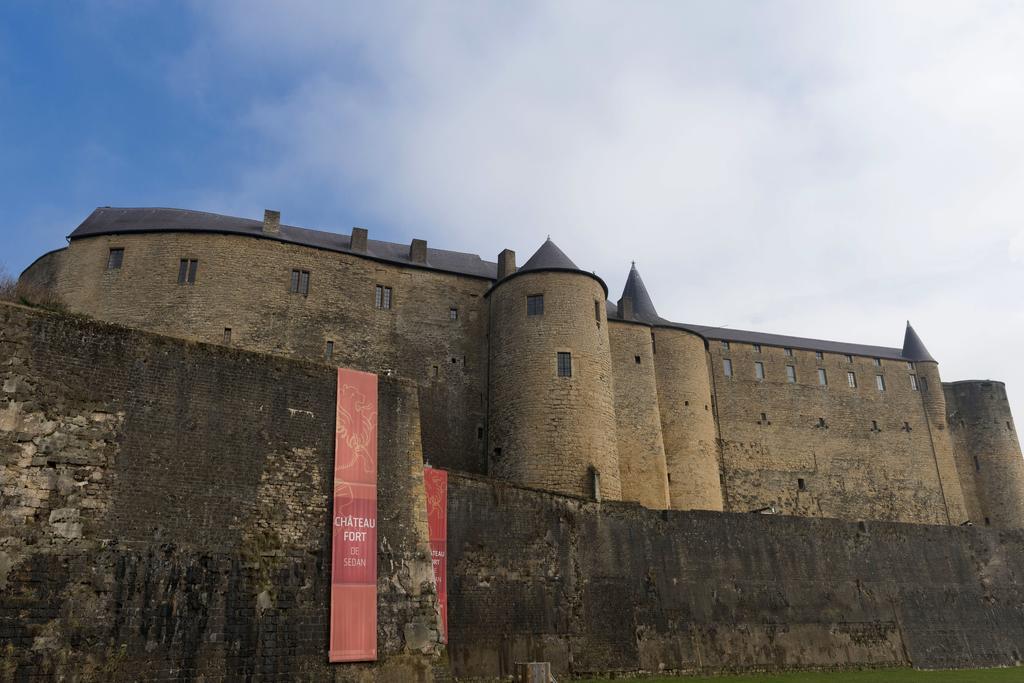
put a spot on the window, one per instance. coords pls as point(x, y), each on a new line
point(923, 381)
point(227, 335)
point(115, 258)
point(757, 348)
point(910, 366)
point(819, 355)
point(654, 345)
point(849, 358)
point(913, 382)
point(907, 427)
point(453, 313)
point(535, 304)
point(791, 374)
point(977, 464)
point(300, 282)
point(821, 423)
point(988, 522)
point(880, 382)
point(727, 367)
point(382, 298)
point(564, 364)
point(187, 271)
point(725, 345)
point(822, 377)
point(874, 426)
point(878, 362)
point(764, 418)
point(637, 359)
point(788, 351)
point(329, 351)
point(479, 432)
point(597, 310)
point(758, 370)
point(801, 484)
point(851, 380)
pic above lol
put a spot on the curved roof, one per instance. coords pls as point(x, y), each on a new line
point(913, 347)
point(636, 291)
point(112, 220)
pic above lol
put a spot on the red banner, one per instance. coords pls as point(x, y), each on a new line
point(436, 484)
point(354, 537)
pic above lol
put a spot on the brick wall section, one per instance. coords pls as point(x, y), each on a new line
point(981, 426)
point(850, 471)
point(934, 400)
point(243, 283)
point(45, 270)
point(642, 465)
point(612, 586)
point(165, 511)
point(551, 430)
point(687, 420)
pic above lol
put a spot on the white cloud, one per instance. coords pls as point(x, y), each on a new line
point(820, 169)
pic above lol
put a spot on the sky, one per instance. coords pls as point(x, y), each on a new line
point(819, 169)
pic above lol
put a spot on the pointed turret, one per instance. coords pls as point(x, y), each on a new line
point(549, 257)
point(635, 303)
point(913, 347)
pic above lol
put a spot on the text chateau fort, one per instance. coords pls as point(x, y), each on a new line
point(532, 375)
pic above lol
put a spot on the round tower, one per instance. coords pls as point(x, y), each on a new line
point(687, 419)
point(642, 466)
point(988, 452)
point(551, 421)
point(926, 372)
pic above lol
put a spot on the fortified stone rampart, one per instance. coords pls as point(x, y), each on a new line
point(988, 452)
point(615, 587)
point(166, 516)
point(165, 512)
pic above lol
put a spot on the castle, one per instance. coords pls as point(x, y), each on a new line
point(531, 375)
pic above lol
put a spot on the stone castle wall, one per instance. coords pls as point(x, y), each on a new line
point(687, 420)
point(988, 452)
point(871, 458)
point(878, 455)
point(615, 587)
point(165, 511)
point(641, 451)
point(243, 283)
point(545, 430)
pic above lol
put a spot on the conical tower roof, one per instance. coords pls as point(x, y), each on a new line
point(913, 347)
point(549, 257)
point(643, 307)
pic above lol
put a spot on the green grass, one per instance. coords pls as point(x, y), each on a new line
point(873, 676)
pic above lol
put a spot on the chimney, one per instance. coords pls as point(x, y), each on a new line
point(626, 308)
point(418, 251)
point(359, 236)
point(506, 263)
point(271, 221)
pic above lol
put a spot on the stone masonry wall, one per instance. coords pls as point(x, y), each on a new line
point(687, 420)
point(615, 587)
point(871, 458)
point(552, 430)
point(165, 512)
point(987, 451)
point(641, 451)
point(242, 284)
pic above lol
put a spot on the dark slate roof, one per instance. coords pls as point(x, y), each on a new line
point(108, 220)
point(643, 307)
point(549, 257)
point(768, 339)
point(913, 347)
